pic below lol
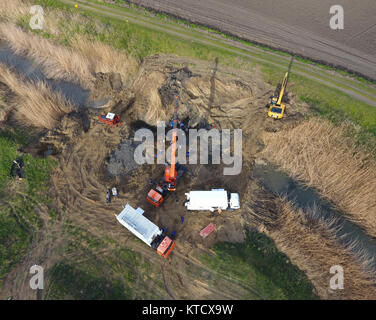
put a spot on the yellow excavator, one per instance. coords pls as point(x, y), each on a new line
point(277, 107)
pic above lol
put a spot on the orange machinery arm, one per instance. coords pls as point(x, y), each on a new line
point(174, 137)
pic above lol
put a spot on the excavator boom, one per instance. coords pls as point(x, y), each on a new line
point(283, 88)
point(174, 137)
point(156, 196)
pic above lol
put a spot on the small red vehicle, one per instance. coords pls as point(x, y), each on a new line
point(110, 119)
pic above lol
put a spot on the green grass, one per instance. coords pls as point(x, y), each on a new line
point(98, 267)
point(14, 242)
point(72, 282)
point(8, 146)
point(18, 199)
point(258, 263)
point(328, 101)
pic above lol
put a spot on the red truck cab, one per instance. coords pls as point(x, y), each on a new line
point(155, 198)
point(165, 247)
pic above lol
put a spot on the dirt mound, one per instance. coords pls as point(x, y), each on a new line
point(106, 84)
point(171, 88)
point(213, 96)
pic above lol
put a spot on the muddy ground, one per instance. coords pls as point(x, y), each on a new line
point(92, 157)
point(301, 27)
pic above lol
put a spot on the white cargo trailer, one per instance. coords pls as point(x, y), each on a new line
point(212, 200)
point(145, 230)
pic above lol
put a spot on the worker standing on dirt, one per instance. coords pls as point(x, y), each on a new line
point(108, 196)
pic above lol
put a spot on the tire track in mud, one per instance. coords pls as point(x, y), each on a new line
point(42, 251)
point(165, 283)
point(166, 269)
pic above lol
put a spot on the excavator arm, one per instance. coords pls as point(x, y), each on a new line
point(170, 172)
point(174, 138)
point(283, 88)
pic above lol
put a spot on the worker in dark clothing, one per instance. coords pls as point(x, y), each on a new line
point(108, 196)
point(17, 168)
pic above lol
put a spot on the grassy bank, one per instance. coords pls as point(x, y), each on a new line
point(18, 199)
point(259, 263)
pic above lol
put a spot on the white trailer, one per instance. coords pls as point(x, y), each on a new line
point(212, 200)
point(145, 230)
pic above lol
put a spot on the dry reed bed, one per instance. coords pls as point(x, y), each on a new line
point(310, 244)
point(35, 103)
point(106, 59)
point(318, 154)
point(11, 10)
point(57, 62)
point(77, 63)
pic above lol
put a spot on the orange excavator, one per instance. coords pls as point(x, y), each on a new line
point(173, 171)
point(170, 171)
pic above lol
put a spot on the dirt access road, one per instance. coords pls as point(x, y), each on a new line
point(301, 27)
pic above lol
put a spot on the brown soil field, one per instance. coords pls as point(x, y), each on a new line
point(301, 27)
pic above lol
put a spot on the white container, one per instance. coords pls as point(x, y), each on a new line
point(138, 224)
point(212, 200)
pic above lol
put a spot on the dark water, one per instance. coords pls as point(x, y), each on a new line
point(77, 95)
point(306, 198)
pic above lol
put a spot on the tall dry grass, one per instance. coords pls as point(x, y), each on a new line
point(104, 58)
point(35, 104)
point(57, 62)
point(11, 10)
point(317, 153)
point(310, 244)
point(78, 63)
